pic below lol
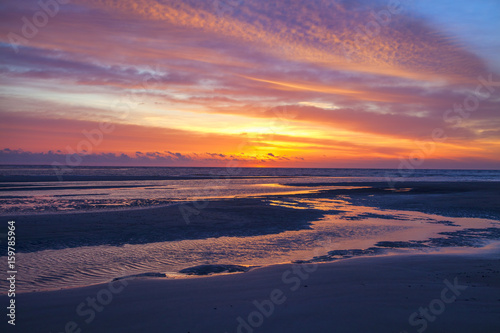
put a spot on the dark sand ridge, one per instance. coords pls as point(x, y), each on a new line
point(454, 199)
point(355, 295)
point(233, 217)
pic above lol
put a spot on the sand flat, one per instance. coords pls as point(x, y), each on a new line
point(355, 295)
point(366, 294)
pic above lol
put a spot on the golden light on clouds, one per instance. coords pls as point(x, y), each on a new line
point(330, 83)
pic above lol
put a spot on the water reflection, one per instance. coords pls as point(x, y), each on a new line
point(345, 226)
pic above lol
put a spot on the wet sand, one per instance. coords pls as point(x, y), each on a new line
point(454, 199)
point(378, 294)
point(216, 218)
point(244, 216)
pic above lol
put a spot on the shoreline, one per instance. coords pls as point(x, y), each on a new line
point(450, 199)
point(380, 292)
point(146, 239)
point(491, 249)
point(375, 293)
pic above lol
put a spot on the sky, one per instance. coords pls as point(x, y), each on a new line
point(285, 83)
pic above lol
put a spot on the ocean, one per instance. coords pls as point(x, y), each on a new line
point(28, 189)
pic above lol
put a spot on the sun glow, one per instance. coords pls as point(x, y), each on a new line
point(258, 85)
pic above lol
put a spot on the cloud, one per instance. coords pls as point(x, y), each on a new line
point(322, 32)
point(199, 79)
point(61, 161)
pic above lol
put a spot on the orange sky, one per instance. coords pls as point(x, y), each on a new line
point(327, 84)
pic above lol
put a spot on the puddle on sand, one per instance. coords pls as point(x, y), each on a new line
point(344, 227)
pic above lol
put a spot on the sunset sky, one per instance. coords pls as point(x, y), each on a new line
point(286, 83)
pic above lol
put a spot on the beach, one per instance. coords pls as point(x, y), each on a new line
point(250, 166)
point(355, 295)
point(295, 256)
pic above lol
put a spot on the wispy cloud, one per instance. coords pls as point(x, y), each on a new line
point(353, 81)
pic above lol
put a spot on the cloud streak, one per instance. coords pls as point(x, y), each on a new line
point(359, 81)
